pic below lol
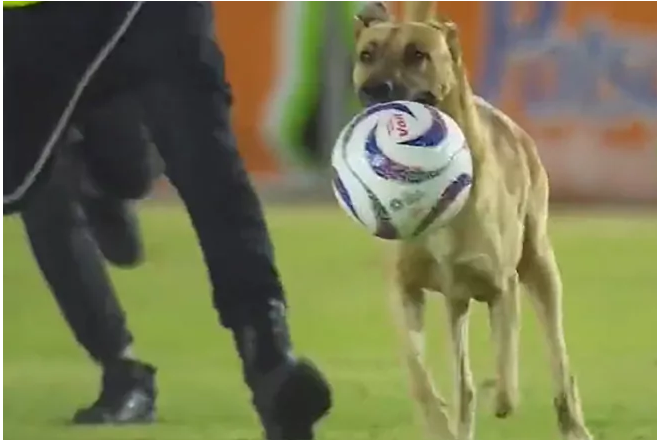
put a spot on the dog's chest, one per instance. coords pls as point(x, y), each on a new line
point(469, 258)
point(432, 265)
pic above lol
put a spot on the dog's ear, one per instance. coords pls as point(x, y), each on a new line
point(419, 11)
point(453, 41)
point(371, 13)
point(451, 31)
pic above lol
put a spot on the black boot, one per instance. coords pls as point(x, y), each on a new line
point(289, 394)
point(127, 395)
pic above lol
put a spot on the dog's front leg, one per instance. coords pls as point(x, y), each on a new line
point(464, 392)
point(408, 308)
point(504, 313)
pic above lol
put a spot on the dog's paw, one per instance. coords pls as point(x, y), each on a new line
point(505, 402)
point(504, 405)
point(582, 435)
point(571, 423)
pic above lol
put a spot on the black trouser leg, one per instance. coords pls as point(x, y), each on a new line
point(191, 129)
point(73, 267)
point(186, 106)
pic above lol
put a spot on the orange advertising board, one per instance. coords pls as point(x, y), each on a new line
point(247, 34)
point(581, 77)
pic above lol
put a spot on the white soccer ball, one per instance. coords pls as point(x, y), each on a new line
point(401, 169)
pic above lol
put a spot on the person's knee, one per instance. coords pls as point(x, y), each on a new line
point(133, 182)
point(135, 190)
point(131, 186)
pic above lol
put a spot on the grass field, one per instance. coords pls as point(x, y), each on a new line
point(339, 316)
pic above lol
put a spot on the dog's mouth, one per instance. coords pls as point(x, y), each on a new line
point(380, 94)
point(426, 98)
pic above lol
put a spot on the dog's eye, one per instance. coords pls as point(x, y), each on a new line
point(414, 56)
point(418, 55)
point(365, 57)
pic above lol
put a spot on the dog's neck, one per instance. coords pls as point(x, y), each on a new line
point(460, 104)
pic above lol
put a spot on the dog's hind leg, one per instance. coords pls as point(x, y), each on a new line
point(539, 273)
point(505, 327)
point(408, 308)
point(464, 392)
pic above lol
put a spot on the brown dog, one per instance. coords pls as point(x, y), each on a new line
point(497, 244)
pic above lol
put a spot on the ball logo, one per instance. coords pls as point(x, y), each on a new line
point(398, 126)
point(407, 199)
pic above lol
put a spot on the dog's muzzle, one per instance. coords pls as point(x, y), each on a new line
point(426, 98)
point(379, 92)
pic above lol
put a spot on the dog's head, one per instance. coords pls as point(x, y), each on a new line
point(415, 61)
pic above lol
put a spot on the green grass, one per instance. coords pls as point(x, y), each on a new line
point(336, 282)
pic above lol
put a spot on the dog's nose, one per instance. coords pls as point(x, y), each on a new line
point(381, 91)
point(378, 92)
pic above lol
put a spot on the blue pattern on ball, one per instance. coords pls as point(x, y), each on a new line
point(344, 194)
point(448, 196)
point(373, 109)
point(432, 137)
point(387, 168)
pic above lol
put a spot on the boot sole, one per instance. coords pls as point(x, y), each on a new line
point(145, 419)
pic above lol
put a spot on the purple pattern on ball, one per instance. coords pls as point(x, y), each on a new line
point(433, 136)
point(370, 111)
point(388, 169)
point(448, 196)
point(344, 194)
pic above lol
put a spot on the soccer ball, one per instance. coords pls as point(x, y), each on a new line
point(401, 169)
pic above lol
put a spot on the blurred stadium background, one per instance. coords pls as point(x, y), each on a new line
point(580, 76)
